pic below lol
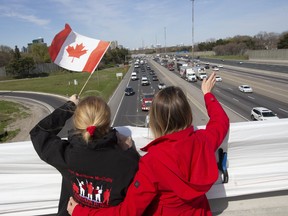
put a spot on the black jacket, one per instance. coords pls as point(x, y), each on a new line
point(96, 174)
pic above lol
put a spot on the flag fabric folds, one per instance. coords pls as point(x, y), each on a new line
point(76, 52)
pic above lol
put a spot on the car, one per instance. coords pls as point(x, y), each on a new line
point(144, 81)
point(245, 88)
point(262, 114)
point(146, 101)
point(161, 86)
point(134, 76)
point(218, 79)
point(129, 91)
point(154, 78)
point(215, 68)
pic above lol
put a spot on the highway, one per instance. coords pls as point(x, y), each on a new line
point(269, 90)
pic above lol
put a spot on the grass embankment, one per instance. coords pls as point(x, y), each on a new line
point(9, 113)
point(102, 83)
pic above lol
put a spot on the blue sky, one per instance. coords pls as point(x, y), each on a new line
point(134, 23)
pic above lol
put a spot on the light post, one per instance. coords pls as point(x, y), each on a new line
point(192, 50)
point(165, 39)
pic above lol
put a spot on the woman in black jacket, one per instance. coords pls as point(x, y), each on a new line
point(96, 162)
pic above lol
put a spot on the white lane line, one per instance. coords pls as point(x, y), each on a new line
point(283, 110)
point(217, 91)
point(251, 97)
point(236, 99)
point(230, 89)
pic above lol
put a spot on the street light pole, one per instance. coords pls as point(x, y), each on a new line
point(165, 39)
point(192, 50)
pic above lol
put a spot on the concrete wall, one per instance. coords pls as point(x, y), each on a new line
point(2, 72)
point(280, 54)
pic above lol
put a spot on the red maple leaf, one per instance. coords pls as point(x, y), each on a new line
point(76, 52)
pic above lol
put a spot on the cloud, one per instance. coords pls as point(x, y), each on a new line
point(21, 14)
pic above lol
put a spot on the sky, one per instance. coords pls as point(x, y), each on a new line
point(135, 23)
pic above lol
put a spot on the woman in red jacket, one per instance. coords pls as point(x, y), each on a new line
point(180, 166)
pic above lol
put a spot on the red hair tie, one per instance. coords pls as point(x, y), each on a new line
point(91, 129)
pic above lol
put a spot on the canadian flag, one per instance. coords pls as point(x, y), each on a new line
point(76, 52)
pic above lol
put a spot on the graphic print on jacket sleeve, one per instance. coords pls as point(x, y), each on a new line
point(92, 191)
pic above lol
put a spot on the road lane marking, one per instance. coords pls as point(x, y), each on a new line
point(283, 110)
point(236, 99)
point(230, 89)
point(251, 97)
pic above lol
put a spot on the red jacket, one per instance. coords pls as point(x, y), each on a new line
point(175, 174)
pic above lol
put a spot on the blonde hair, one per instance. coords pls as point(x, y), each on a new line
point(169, 112)
point(92, 111)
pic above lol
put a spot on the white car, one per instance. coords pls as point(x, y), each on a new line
point(218, 79)
point(161, 86)
point(262, 114)
point(134, 76)
point(245, 88)
point(144, 81)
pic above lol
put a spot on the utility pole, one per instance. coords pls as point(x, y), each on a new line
point(192, 50)
point(165, 39)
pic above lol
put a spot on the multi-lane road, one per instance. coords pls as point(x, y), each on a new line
point(269, 90)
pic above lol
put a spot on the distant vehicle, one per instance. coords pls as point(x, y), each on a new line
point(154, 78)
point(161, 86)
point(245, 88)
point(188, 73)
point(129, 91)
point(179, 64)
point(200, 73)
point(262, 114)
point(134, 76)
point(170, 67)
point(146, 101)
point(144, 81)
point(218, 79)
point(215, 68)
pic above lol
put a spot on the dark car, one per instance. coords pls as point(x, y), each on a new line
point(129, 91)
point(154, 78)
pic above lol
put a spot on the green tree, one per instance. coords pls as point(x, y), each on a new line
point(39, 52)
point(283, 42)
point(19, 66)
point(5, 55)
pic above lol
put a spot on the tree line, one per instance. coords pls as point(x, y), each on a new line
point(236, 45)
point(22, 64)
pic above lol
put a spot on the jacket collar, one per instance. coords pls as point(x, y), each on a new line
point(108, 141)
point(169, 137)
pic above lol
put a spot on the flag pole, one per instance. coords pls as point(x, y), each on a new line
point(85, 84)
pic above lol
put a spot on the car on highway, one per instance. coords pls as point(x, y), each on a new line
point(144, 81)
point(218, 78)
point(129, 91)
point(154, 78)
point(146, 101)
point(134, 76)
point(262, 114)
point(161, 85)
point(245, 88)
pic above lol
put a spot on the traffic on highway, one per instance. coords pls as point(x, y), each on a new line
point(240, 89)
